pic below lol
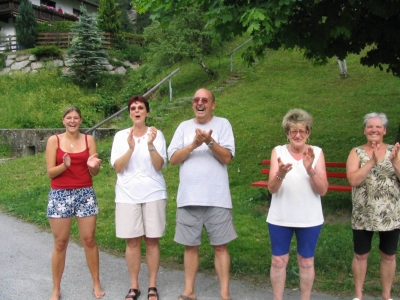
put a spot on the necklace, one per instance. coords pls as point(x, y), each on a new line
point(70, 144)
point(296, 153)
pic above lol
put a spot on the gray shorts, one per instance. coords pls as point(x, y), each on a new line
point(217, 221)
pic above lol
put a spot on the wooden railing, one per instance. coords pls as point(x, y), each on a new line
point(60, 39)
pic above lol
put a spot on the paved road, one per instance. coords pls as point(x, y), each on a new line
point(25, 272)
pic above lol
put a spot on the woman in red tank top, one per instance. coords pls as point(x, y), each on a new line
point(71, 159)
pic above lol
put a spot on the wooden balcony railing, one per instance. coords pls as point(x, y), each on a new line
point(9, 8)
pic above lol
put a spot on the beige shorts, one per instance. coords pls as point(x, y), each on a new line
point(134, 220)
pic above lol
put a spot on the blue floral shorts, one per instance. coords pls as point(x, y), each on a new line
point(72, 202)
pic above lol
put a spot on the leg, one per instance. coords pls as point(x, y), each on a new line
point(222, 263)
point(133, 260)
point(191, 263)
point(388, 269)
point(152, 259)
point(278, 275)
point(60, 228)
point(87, 228)
point(359, 267)
point(307, 274)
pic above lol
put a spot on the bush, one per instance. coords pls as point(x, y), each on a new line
point(58, 26)
point(2, 60)
point(47, 51)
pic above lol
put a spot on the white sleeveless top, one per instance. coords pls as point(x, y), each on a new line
point(296, 204)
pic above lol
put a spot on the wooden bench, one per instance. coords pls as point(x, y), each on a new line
point(331, 187)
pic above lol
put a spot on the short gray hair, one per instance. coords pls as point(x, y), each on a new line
point(297, 116)
point(381, 116)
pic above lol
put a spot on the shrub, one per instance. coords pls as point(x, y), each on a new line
point(58, 26)
point(50, 51)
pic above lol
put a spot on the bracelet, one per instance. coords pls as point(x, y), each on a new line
point(279, 177)
point(315, 172)
point(152, 149)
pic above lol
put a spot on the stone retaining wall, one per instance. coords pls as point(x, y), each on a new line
point(30, 64)
point(26, 142)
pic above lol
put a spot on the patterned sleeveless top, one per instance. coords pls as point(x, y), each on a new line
point(376, 201)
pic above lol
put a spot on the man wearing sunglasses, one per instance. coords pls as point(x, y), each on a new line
point(203, 147)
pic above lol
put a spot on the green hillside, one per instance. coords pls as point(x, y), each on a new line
point(255, 106)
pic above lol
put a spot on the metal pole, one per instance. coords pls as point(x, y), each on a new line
point(170, 89)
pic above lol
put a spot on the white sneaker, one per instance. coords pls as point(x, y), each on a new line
point(359, 299)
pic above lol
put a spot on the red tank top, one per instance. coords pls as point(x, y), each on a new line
point(77, 175)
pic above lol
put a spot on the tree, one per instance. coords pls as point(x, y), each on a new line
point(109, 16)
point(25, 25)
point(322, 28)
point(86, 52)
point(183, 38)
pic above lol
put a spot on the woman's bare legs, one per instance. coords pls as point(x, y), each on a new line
point(87, 228)
point(359, 267)
point(60, 228)
point(152, 260)
point(278, 275)
point(133, 260)
point(388, 269)
point(307, 274)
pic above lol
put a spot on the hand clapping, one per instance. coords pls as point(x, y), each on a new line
point(93, 161)
point(308, 158)
point(283, 168)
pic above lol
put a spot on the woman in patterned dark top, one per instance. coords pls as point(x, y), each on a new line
point(373, 170)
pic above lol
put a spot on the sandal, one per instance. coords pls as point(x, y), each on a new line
point(135, 296)
point(153, 294)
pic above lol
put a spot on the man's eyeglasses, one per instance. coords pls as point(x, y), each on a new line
point(140, 107)
point(198, 100)
point(293, 133)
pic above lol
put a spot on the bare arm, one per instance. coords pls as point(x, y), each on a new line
point(319, 180)
point(93, 161)
point(121, 163)
point(277, 173)
point(156, 159)
point(355, 174)
point(395, 159)
point(51, 153)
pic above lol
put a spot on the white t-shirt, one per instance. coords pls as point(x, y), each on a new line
point(140, 182)
point(296, 204)
point(203, 179)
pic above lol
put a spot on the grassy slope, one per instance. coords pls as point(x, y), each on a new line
point(255, 107)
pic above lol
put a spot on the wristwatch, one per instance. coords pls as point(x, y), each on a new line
point(152, 149)
point(211, 144)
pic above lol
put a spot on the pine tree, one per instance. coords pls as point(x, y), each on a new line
point(25, 25)
point(109, 16)
point(86, 52)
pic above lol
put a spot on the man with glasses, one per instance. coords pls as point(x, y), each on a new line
point(203, 147)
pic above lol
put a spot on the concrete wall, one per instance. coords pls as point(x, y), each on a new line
point(25, 142)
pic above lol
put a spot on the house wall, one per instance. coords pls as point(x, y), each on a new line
point(8, 28)
point(66, 5)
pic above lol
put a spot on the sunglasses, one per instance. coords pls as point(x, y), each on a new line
point(140, 107)
point(198, 100)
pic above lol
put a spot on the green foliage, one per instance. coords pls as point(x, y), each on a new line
point(132, 53)
point(25, 25)
point(86, 52)
point(56, 26)
point(50, 51)
point(2, 60)
point(323, 29)
point(108, 16)
point(184, 38)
